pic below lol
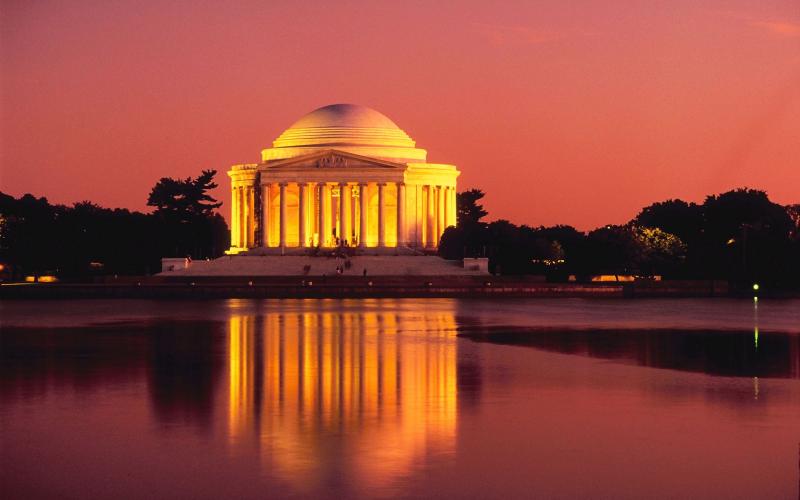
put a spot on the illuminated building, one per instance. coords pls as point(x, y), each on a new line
point(341, 175)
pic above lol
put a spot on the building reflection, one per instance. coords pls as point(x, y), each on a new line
point(325, 394)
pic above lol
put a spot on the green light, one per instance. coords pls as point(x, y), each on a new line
point(755, 287)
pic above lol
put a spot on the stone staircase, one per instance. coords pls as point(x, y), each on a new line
point(297, 265)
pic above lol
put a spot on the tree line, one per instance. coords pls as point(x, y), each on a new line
point(739, 235)
point(78, 241)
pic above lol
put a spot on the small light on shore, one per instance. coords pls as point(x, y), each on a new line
point(755, 287)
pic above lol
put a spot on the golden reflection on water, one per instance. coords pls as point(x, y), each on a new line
point(367, 394)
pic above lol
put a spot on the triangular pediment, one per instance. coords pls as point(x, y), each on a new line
point(332, 159)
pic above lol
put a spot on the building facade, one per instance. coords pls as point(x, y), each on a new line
point(343, 175)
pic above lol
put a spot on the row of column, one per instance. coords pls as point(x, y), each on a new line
point(435, 209)
point(322, 194)
point(243, 216)
point(441, 212)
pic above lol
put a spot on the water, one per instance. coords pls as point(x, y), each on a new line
point(400, 398)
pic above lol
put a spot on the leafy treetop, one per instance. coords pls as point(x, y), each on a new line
point(185, 198)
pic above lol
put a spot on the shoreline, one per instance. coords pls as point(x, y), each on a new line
point(364, 287)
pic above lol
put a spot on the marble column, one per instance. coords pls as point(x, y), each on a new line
point(244, 217)
point(251, 223)
point(234, 217)
point(441, 209)
point(343, 209)
point(381, 215)
point(282, 186)
point(401, 214)
point(435, 212)
point(303, 226)
point(322, 216)
point(362, 198)
point(265, 202)
point(430, 213)
point(453, 207)
point(446, 207)
point(419, 218)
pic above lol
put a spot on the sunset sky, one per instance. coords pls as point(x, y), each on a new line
point(563, 112)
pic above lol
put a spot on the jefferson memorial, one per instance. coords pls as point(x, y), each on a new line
point(341, 176)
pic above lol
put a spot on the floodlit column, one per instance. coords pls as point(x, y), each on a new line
point(234, 217)
point(419, 216)
point(430, 219)
point(344, 231)
point(251, 220)
point(322, 216)
point(446, 203)
point(401, 214)
point(265, 196)
point(453, 207)
point(303, 226)
point(245, 217)
point(362, 198)
point(440, 207)
point(435, 212)
point(381, 215)
point(283, 215)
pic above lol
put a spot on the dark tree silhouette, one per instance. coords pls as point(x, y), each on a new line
point(746, 236)
point(684, 220)
point(189, 226)
point(467, 208)
point(85, 240)
point(185, 199)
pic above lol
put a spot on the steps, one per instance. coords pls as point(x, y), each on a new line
point(296, 265)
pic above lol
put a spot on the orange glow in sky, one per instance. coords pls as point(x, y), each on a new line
point(563, 112)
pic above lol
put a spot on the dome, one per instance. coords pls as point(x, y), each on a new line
point(345, 116)
point(347, 127)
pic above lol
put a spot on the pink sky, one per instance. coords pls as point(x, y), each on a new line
point(563, 112)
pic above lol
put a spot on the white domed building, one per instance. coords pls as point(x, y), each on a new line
point(342, 175)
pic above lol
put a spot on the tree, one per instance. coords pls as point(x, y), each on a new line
point(612, 249)
point(185, 199)
point(572, 245)
point(684, 220)
point(469, 238)
point(190, 226)
point(27, 226)
point(453, 243)
point(746, 237)
point(793, 211)
point(658, 252)
point(468, 210)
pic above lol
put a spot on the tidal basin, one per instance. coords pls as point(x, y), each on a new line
point(565, 398)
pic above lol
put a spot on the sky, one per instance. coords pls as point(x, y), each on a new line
point(578, 112)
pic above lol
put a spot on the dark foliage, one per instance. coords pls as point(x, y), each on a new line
point(85, 239)
point(468, 210)
point(739, 235)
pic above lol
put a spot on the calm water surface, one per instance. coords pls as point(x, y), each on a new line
point(400, 398)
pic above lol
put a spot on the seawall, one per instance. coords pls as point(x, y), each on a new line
point(356, 287)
